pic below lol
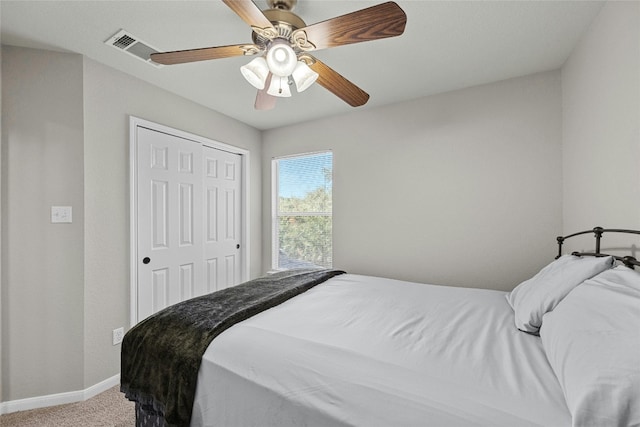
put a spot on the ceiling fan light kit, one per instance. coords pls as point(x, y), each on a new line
point(303, 76)
point(283, 41)
point(282, 62)
point(281, 58)
point(279, 87)
point(256, 72)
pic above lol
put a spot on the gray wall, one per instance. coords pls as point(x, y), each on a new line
point(42, 275)
point(110, 97)
point(601, 123)
point(1, 241)
point(462, 188)
point(66, 142)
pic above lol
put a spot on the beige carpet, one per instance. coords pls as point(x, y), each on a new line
point(108, 409)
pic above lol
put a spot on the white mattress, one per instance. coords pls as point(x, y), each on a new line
point(368, 351)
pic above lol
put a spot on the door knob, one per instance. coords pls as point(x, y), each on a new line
point(238, 246)
point(146, 260)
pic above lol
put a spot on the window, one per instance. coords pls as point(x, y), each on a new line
point(302, 220)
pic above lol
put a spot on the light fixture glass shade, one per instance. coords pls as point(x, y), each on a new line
point(303, 76)
point(279, 87)
point(281, 58)
point(256, 72)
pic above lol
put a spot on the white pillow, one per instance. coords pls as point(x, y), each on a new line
point(592, 341)
point(533, 298)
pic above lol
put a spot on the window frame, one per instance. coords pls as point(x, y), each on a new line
point(275, 236)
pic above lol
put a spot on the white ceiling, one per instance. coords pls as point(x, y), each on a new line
point(447, 45)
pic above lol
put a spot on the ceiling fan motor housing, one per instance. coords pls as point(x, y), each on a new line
point(284, 22)
point(282, 4)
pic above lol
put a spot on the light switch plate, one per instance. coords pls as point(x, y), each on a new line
point(61, 214)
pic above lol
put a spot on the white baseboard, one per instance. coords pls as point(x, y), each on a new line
point(59, 398)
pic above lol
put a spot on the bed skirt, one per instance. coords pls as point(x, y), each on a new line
point(147, 417)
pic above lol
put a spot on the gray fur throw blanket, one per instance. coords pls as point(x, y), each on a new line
point(161, 355)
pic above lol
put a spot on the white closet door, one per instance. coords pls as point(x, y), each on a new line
point(169, 223)
point(222, 216)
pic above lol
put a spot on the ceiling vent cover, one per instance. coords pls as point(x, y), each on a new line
point(132, 45)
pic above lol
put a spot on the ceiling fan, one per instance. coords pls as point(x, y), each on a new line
point(283, 42)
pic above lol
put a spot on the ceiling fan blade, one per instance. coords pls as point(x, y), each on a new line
point(373, 23)
point(338, 85)
point(249, 13)
point(264, 101)
point(203, 54)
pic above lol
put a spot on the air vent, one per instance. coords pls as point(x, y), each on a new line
point(132, 45)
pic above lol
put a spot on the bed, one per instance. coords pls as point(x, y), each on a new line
point(358, 350)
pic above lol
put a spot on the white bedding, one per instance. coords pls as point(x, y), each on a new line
point(359, 350)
